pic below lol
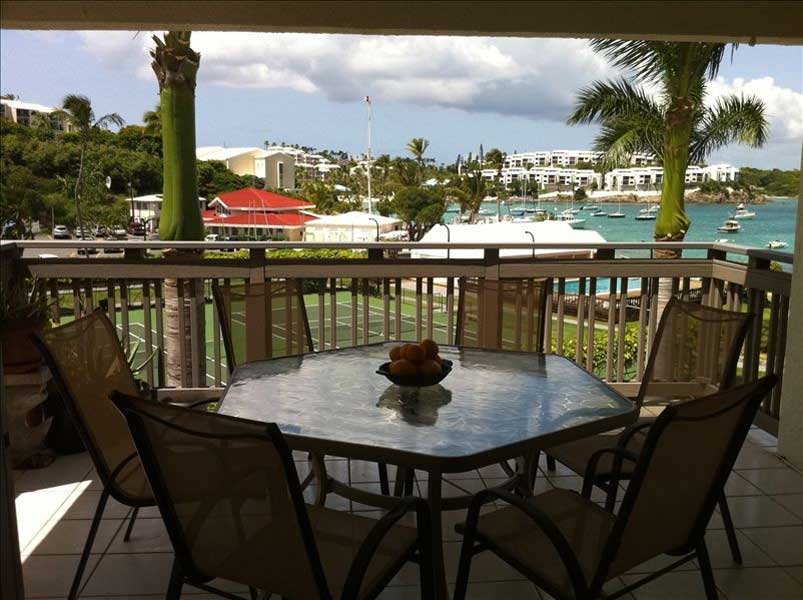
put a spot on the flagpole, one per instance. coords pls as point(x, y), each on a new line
point(370, 119)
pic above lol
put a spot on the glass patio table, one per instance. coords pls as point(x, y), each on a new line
point(494, 406)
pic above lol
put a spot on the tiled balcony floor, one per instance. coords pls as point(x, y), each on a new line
point(55, 505)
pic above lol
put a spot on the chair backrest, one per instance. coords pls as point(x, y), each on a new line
point(694, 353)
point(230, 498)
point(687, 456)
point(87, 362)
point(522, 313)
point(286, 327)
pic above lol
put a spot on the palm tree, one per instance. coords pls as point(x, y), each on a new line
point(153, 120)
point(77, 111)
point(418, 147)
point(674, 124)
point(176, 68)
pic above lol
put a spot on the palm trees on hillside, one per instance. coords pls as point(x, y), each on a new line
point(77, 111)
point(662, 110)
point(153, 120)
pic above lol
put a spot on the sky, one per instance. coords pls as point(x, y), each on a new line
point(309, 89)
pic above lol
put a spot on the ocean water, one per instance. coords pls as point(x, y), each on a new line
point(774, 220)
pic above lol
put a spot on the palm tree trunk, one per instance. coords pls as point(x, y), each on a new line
point(78, 192)
point(673, 222)
point(176, 66)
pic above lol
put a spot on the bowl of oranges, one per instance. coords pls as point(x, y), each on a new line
point(416, 365)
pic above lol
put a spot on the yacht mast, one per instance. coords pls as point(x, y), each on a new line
point(370, 119)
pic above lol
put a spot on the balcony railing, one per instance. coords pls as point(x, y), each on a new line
point(602, 300)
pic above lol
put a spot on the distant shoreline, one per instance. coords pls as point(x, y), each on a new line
point(693, 196)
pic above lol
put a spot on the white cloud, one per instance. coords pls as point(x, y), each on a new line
point(525, 77)
point(534, 78)
point(784, 106)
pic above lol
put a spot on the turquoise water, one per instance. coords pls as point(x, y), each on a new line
point(774, 220)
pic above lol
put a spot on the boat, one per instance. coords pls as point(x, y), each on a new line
point(571, 220)
point(742, 212)
point(646, 215)
point(723, 241)
point(730, 226)
point(776, 244)
point(571, 211)
point(589, 207)
point(599, 213)
point(618, 214)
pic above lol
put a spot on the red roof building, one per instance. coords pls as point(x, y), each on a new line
point(250, 212)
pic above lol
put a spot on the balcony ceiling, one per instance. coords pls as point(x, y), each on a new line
point(760, 22)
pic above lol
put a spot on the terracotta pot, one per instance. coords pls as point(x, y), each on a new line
point(20, 355)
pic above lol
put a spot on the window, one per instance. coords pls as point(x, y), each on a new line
point(280, 175)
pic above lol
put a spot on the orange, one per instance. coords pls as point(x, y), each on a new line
point(396, 353)
point(431, 348)
point(429, 367)
point(402, 367)
point(415, 353)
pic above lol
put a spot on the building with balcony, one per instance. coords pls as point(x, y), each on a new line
point(353, 226)
point(566, 158)
point(25, 113)
point(545, 177)
point(250, 212)
point(652, 177)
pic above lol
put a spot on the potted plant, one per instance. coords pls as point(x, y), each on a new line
point(23, 310)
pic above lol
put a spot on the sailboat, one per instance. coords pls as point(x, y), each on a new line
point(618, 214)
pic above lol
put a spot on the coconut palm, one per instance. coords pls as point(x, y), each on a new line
point(418, 147)
point(153, 120)
point(77, 111)
point(176, 68)
point(662, 110)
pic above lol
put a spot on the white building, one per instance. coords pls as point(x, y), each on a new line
point(544, 177)
point(565, 158)
point(24, 113)
point(652, 177)
point(275, 167)
point(315, 165)
point(352, 226)
point(506, 233)
point(147, 209)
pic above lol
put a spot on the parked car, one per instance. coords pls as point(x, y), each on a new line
point(99, 231)
point(211, 237)
point(87, 238)
point(111, 249)
point(60, 232)
point(120, 233)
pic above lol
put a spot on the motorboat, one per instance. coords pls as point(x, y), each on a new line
point(730, 226)
point(776, 244)
point(646, 215)
point(571, 220)
point(742, 212)
point(616, 215)
point(599, 213)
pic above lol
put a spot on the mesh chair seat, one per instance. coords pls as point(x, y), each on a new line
point(576, 455)
point(338, 536)
point(514, 535)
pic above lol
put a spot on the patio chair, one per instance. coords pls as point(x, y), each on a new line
point(694, 353)
point(230, 303)
point(87, 363)
point(287, 326)
point(570, 546)
point(233, 507)
point(522, 313)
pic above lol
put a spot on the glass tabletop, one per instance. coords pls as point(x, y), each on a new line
point(490, 399)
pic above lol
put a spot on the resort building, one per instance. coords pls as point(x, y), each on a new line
point(352, 226)
point(25, 113)
point(277, 168)
point(566, 158)
point(254, 213)
point(313, 164)
point(545, 177)
point(651, 177)
point(147, 209)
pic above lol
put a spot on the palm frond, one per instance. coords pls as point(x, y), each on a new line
point(106, 121)
point(730, 119)
point(611, 99)
point(619, 139)
point(648, 60)
point(78, 109)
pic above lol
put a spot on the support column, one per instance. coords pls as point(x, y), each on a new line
point(491, 303)
point(790, 426)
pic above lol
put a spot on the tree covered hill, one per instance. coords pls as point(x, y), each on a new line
point(38, 169)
